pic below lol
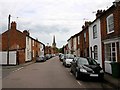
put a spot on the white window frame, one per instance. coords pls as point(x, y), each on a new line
point(85, 36)
point(33, 42)
point(78, 40)
point(33, 53)
point(95, 31)
point(111, 51)
point(108, 28)
point(27, 40)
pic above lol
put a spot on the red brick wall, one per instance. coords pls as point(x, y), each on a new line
point(15, 38)
point(21, 56)
point(84, 45)
point(81, 44)
point(116, 15)
point(35, 48)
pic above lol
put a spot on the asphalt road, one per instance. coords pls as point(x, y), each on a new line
point(49, 74)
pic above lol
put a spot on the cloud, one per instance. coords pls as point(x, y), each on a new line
point(45, 18)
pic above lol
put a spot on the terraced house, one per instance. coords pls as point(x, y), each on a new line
point(20, 45)
point(100, 39)
point(110, 35)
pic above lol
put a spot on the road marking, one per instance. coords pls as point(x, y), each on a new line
point(18, 69)
point(79, 83)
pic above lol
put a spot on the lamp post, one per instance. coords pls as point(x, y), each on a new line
point(8, 39)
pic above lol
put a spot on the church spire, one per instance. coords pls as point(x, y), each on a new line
point(54, 44)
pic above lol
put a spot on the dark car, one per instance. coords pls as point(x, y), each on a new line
point(40, 58)
point(86, 67)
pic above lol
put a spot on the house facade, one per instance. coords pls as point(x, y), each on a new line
point(95, 48)
point(70, 45)
point(15, 40)
point(84, 40)
point(110, 35)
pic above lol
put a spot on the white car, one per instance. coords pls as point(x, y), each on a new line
point(68, 59)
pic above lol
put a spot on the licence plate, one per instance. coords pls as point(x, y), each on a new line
point(94, 75)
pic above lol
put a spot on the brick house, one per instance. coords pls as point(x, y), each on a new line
point(37, 48)
point(70, 45)
point(110, 35)
point(84, 40)
point(48, 49)
point(66, 50)
point(78, 44)
point(15, 40)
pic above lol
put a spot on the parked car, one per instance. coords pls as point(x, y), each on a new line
point(68, 58)
point(40, 58)
point(48, 56)
point(86, 67)
point(61, 57)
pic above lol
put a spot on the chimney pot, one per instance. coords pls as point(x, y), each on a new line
point(99, 12)
point(13, 25)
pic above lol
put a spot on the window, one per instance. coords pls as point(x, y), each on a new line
point(110, 52)
point(78, 39)
point(33, 53)
point(85, 36)
point(27, 40)
point(33, 42)
point(110, 24)
point(96, 52)
point(94, 31)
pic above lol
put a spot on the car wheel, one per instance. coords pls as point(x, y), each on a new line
point(76, 75)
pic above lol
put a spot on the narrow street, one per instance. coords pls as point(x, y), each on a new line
point(49, 74)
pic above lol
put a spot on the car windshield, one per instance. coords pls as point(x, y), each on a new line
point(92, 61)
point(83, 61)
point(69, 56)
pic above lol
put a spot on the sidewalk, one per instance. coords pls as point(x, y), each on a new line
point(115, 82)
point(17, 66)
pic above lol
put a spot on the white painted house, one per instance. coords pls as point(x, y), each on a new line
point(28, 50)
point(95, 41)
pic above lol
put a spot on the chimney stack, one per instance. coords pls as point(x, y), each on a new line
point(116, 3)
point(99, 12)
point(26, 32)
point(87, 23)
point(13, 25)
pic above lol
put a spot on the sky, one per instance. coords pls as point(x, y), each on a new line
point(46, 18)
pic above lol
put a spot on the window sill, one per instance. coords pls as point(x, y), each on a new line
point(110, 32)
point(109, 62)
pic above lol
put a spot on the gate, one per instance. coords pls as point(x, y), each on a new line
point(12, 57)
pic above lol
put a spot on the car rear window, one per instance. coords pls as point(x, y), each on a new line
point(83, 61)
